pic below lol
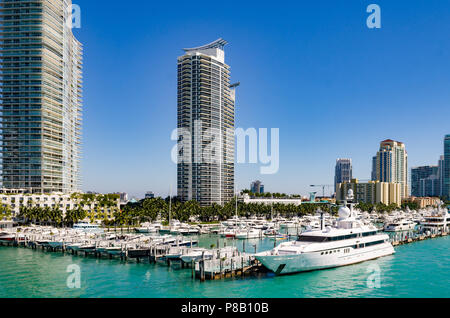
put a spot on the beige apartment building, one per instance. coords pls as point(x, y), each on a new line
point(424, 202)
point(371, 192)
point(391, 165)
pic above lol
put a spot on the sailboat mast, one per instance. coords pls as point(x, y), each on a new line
point(271, 211)
point(236, 203)
point(170, 205)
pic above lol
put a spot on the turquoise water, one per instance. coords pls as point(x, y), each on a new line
point(420, 269)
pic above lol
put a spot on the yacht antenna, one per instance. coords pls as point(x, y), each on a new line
point(322, 219)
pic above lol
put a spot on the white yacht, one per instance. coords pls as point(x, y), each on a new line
point(437, 221)
point(248, 233)
point(398, 226)
point(87, 227)
point(349, 241)
point(146, 228)
point(290, 224)
point(197, 254)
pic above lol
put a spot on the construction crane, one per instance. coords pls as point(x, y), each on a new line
point(323, 186)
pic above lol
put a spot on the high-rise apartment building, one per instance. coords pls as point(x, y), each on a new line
point(40, 87)
point(343, 171)
point(392, 164)
point(373, 176)
point(441, 169)
point(425, 181)
point(257, 187)
point(446, 176)
point(206, 103)
point(149, 195)
point(372, 192)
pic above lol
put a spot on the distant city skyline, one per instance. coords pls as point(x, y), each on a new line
point(334, 87)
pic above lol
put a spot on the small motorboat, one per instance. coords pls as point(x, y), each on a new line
point(174, 255)
point(7, 237)
point(196, 255)
point(114, 250)
point(55, 244)
point(248, 234)
point(87, 248)
point(74, 246)
point(278, 237)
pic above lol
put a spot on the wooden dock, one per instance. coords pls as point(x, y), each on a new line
point(238, 266)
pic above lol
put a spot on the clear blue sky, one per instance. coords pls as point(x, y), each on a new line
point(313, 69)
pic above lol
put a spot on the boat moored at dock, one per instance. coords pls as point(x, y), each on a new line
point(398, 226)
point(87, 227)
point(350, 241)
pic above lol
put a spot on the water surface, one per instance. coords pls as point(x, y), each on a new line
point(420, 269)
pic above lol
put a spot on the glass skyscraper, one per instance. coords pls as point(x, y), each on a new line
point(441, 175)
point(446, 176)
point(425, 181)
point(41, 87)
point(343, 172)
point(206, 102)
point(257, 187)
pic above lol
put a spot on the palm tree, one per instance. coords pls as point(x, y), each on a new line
point(190, 208)
point(5, 212)
point(56, 216)
point(24, 214)
point(46, 215)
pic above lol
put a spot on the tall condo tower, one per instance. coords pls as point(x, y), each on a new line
point(446, 174)
point(40, 87)
point(392, 164)
point(257, 187)
point(425, 181)
point(441, 166)
point(343, 172)
point(206, 111)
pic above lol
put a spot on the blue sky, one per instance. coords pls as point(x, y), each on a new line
point(313, 69)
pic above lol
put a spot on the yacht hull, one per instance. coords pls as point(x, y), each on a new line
point(295, 263)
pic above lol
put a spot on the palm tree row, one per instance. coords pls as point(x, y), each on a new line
point(383, 208)
point(50, 216)
point(149, 210)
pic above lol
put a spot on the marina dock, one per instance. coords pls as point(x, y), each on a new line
point(214, 263)
point(222, 262)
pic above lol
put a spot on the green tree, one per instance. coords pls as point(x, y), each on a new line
point(5, 213)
